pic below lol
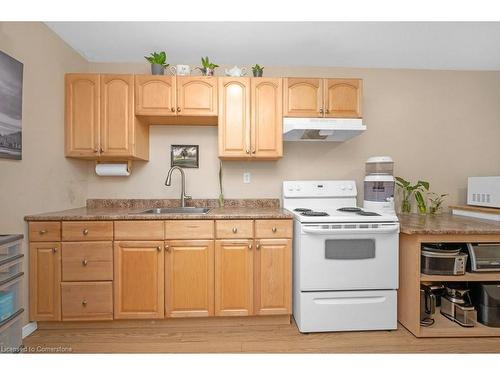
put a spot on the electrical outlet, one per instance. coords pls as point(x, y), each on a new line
point(247, 177)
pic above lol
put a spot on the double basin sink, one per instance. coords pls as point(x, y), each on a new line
point(175, 210)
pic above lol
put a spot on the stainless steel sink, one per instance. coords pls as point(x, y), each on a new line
point(175, 210)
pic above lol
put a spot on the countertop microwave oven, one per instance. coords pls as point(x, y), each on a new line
point(484, 191)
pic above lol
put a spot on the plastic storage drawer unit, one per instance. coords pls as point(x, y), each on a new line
point(11, 333)
point(10, 246)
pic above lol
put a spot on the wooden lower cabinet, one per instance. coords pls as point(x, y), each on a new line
point(138, 279)
point(87, 300)
point(189, 278)
point(233, 277)
point(273, 276)
point(45, 280)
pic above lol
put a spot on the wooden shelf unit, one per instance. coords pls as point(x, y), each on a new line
point(410, 278)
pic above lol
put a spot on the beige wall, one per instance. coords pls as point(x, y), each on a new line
point(43, 180)
point(440, 126)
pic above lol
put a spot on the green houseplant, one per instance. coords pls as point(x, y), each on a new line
point(409, 191)
point(207, 68)
point(257, 70)
point(436, 201)
point(221, 195)
point(158, 61)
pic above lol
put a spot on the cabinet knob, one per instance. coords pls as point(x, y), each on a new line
point(101, 150)
point(257, 246)
point(54, 249)
point(85, 232)
point(247, 151)
point(235, 230)
point(321, 110)
point(43, 231)
point(85, 262)
point(84, 302)
point(178, 109)
point(96, 150)
point(167, 247)
point(172, 109)
point(327, 111)
point(253, 151)
point(250, 246)
point(158, 248)
point(274, 229)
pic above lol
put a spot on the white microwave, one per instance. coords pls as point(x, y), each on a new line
point(484, 191)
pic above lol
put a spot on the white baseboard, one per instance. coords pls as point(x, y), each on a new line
point(29, 328)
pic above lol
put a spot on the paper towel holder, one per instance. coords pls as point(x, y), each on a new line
point(129, 164)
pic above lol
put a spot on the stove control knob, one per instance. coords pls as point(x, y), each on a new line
point(349, 187)
point(342, 187)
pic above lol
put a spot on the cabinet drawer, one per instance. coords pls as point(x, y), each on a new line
point(273, 229)
point(87, 230)
point(189, 229)
point(87, 261)
point(45, 231)
point(87, 300)
point(234, 228)
point(138, 230)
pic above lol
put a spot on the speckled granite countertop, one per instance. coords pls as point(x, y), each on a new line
point(125, 209)
point(446, 224)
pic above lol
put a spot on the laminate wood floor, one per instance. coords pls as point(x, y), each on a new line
point(254, 339)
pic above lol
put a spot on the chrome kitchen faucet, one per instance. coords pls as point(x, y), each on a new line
point(168, 182)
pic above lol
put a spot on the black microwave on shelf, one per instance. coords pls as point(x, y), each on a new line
point(484, 257)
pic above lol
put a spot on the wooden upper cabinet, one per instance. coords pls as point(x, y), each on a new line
point(189, 278)
point(233, 277)
point(273, 276)
point(155, 95)
point(267, 118)
point(45, 279)
point(343, 98)
point(196, 96)
point(138, 279)
point(82, 114)
point(303, 97)
point(117, 115)
point(234, 117)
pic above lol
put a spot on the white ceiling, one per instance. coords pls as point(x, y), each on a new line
point(413, 45)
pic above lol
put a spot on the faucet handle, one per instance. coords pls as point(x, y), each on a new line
point(188, 197)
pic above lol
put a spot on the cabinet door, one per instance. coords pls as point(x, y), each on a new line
point(233, 277)
point(189, 278)
point(267, 118)
point(303, 97)
point(45, 280)
point(234, 118)
point(197, 96)
point(343, 97)
point(273, 276)
point(117, 114)
point(138, 280)
point(155, 95)
point(82, 115)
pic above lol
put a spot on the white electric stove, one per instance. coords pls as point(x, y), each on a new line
point(345, 272)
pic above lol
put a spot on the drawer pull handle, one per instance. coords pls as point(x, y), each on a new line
point(43, 231)
point(274, 229)
point(158, 248)
point(85, 262)
point(258, 246)
point(235, 230)
point(250, 246)
point(84, 302)
point(85, 232)
point(172, 109)
point(167, 247)
point(54, 249)
point(178, 109)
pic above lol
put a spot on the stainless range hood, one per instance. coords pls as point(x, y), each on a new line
point(321, 129)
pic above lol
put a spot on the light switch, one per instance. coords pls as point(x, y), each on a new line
point(247, 177)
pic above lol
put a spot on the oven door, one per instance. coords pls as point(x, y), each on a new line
point(348, 256)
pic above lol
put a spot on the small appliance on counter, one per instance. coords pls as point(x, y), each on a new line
point(486, 297)
point(379, 184)
point(484, 257)
point(443, 259)
point(456, 305)
point(484, 191)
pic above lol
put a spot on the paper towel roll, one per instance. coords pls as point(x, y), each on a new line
point(112, 169)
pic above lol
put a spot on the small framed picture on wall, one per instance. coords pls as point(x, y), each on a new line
point(184, 156)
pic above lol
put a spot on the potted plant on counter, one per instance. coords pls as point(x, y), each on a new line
point(207, 68)
point(408, 191)
point(158, 61)
point(257, 70)
point(436, 202)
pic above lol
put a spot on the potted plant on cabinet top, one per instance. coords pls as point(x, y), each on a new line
point(257, 70)
point(408, 191)
point(158, 62)
point(207, 68)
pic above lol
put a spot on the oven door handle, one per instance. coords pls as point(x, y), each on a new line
point(391, 228)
